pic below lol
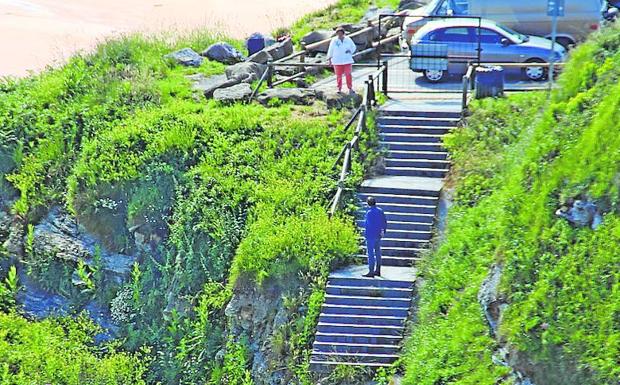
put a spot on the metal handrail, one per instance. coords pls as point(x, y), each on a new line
point(360, 115)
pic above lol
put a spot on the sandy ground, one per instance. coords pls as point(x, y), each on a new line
point(37, 33)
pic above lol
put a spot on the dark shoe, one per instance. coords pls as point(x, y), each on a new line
point(377, 273)
point(370, 274)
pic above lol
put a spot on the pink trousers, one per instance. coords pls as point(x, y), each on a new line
point(343, 69)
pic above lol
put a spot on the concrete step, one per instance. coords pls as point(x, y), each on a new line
point(404, 243)
point(396, 129)
point(407, 154)
point(416, 171)
point(354, 348)
point(368, 282)
point(394, 251)
point(409, 234)
point(362, 320)
point(408, 146)
point(388, 260)
point(403, 208)
point(357, 338)
point(410, 138)
point(338, 358)
point(379, 292)
point(367, 301)
point(412, 191)
point(364, 310)
point(419, 163)
point(351, 328)
point(404, 226)
point(401, 199)
point(425, 114)
point(417, 121)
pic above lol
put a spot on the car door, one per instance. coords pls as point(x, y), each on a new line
point(492, 49)
point(462, 47)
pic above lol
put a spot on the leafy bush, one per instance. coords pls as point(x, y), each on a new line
point(560, 281)
point(60, 352)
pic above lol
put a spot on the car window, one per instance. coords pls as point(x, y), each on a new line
point(488, 36)
point(458, 35)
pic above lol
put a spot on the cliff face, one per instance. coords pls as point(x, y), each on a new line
point(524, 285)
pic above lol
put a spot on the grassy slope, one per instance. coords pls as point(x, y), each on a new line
point(516, 161)
point(235, 192)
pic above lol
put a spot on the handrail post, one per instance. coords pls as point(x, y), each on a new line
point(302, 57)
point(465, 87)
point(384, 77)
point(370, 97)
point(270, 74)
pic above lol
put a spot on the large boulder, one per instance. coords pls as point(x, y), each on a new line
point(261, 57)
point(280, 50)
point(238, 93)
point(410, 4)
point(339, 100)
point(294, 95)
point(223, 53)
point(186, 56)
point(208, 85)
point(58, 237)
point(246, 72)
point(316, 36)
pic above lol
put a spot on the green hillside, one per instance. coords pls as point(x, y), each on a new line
point(516, 161)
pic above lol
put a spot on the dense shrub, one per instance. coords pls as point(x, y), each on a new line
point(561, 282)
point(60, 352)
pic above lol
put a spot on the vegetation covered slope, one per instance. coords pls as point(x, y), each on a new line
point(516, 161)
point(210, 197)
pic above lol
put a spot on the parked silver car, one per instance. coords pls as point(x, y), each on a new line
point(446, 46)
point(526, 16)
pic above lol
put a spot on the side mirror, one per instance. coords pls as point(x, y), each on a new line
point(505, 42)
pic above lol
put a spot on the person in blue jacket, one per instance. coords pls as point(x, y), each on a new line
point(375, 225)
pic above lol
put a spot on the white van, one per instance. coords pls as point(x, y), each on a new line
point(526, 16)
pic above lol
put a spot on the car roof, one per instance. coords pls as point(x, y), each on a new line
point(456, 22)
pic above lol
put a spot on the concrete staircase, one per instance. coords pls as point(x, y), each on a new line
point(362, 321)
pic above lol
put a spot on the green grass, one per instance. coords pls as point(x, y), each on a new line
point(61, 352)
point(516, 161)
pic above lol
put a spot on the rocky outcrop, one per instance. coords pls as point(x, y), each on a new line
point(246, 72)
point(237, 93)
point(316, 36)
point(581, 214)
point(339, 100)
point(208, 85)
point(186, 56)
point(223, 53)
point(493, 304)
point(294, 95)
point(58, 237)
point(257, 313)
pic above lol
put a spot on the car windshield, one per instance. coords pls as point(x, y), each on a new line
point(516, 36)
point(441, 7)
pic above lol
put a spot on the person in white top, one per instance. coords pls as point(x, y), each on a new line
point(340, 55)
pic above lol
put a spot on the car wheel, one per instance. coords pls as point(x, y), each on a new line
point(434, 76)
point(535, 73)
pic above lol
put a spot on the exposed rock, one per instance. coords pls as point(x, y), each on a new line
point(410, 4)
point(186, 56)
point(374, 12)
point(13, 244)
point(58, 236)
point(296, 95)
point(288, 70)
point(581, 214)
point(488, 297)
point(363, 40)
point(223, 53)
point(337, 100)
point(239, 92)
point(281, 49)
point(261, 57)
point(246, 72)
point(208, 85)
point(316, 36)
